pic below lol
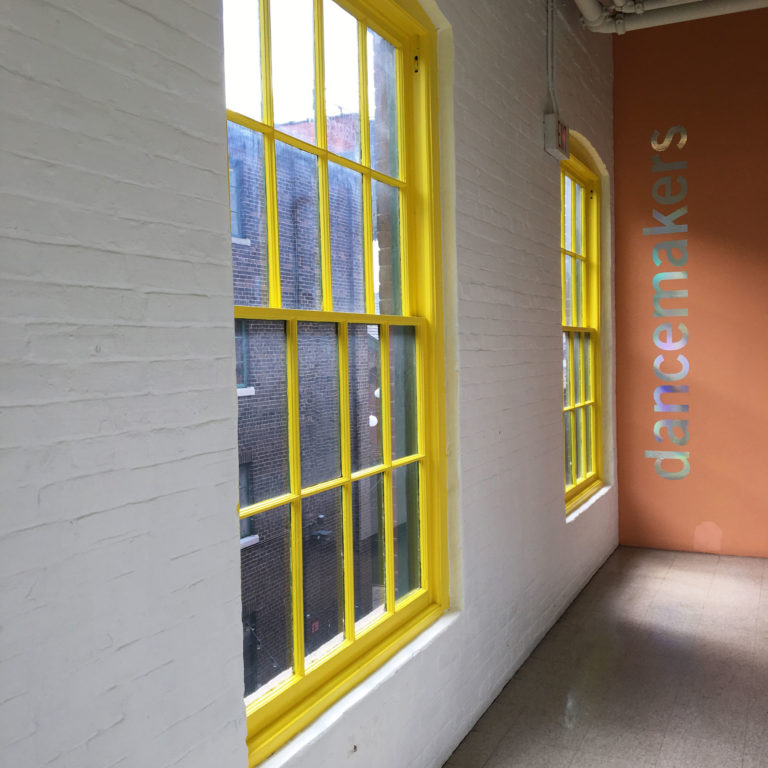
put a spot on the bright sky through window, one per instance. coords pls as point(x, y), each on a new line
point(243, 63)
point(242, 57)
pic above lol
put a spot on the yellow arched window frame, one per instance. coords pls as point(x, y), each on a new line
point(580, 276)
point(310, 679)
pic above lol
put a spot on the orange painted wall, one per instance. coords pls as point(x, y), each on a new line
point(710, 76)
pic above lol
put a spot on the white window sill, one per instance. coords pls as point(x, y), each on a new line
point(245, 391)
point(589, 502)
point(241, 240)
point(246, 541)
point(301, 744)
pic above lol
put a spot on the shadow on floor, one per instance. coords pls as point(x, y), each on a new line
point(662, 660)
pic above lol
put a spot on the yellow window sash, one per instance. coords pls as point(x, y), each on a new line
point(585, 410)
point(281, 712)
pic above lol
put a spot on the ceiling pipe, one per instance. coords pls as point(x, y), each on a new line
point(600, 12)
point(652, 5)
point(642, 6)
point(593, 13)
point(658, 12)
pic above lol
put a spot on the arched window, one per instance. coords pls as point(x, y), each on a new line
point(337, 294)
point(580, 270)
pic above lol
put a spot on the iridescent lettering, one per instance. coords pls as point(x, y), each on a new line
point(668, 198)
point(671, 425)
point(668, 246)
point(668, 344)
point(660, 147)
point(669, 389)
point(670, 190)
point(658, 294)
point(674, 456)
point(660, 165)
point(681, 374)
point(668, 220)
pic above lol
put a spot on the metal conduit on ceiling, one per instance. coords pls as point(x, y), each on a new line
point(622, 16)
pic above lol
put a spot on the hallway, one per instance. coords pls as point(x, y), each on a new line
point(661, 661)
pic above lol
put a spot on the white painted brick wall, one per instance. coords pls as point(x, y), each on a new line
point(119, 582)
point(120, 640)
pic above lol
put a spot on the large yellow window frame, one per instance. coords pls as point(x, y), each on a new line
point(279, 714)
point(580, 251)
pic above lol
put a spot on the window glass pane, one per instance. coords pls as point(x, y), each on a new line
point(386, 249)
point(589, 426)
point(293, 67)
point(566, 377)
point(368, 527)
point(588, 366)
point(382, 104)
point(297, 206)
point(579, 191)
point(250, 275)
point(245, 496)
point(342, 82)
point(265, 568)
point(241, 357)
point(319, 402)
point(568, 453)
point(577, 368)
point(323, 573)
point(364, 395)
point(262, 420)
point(242, 57)
point(568, 291)
point(234, 200)
point(403, 405)
point(578, 266)
point(346, 202)
point(568, 210)
point(405, 498)
point(579, 416)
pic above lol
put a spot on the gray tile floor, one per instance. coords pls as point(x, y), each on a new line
point(661, 661)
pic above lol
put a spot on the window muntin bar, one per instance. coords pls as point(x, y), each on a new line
point(294, 141)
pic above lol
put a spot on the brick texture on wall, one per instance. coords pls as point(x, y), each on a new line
point(121, 642)
point(119, 563)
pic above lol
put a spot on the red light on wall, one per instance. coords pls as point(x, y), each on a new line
point(556, 137)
